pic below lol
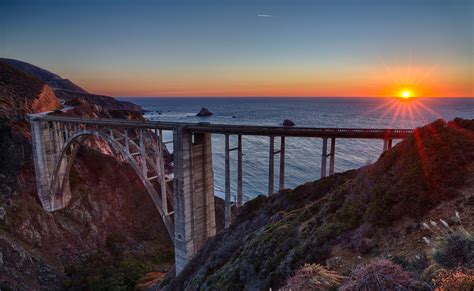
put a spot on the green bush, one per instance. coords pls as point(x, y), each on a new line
point(378, 212)
point(349, 215)
point(456, 250)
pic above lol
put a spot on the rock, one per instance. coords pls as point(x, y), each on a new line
point(288, 122)
point(204, 112)
point(2, 213)
point(74, 102)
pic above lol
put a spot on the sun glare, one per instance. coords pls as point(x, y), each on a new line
point(406, 94)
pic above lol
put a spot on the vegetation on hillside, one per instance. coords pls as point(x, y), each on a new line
point(274, 236)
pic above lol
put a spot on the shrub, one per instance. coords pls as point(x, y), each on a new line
point(378, 211)
point(313, 277)
point(455, 280)
point(451, 247)
point(378, 275)
point(456, 250)
point(417, 265)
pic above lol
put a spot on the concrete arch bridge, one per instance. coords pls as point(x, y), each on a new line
point(187, 208)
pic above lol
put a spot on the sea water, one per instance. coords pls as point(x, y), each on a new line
point(303, 155)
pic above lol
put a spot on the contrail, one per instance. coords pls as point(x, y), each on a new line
point(264, 15)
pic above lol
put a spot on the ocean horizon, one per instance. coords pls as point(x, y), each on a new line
point(302, 154)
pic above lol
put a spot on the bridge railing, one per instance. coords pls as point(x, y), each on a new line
point(205, 127)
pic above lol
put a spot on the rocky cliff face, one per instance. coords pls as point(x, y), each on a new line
point(347, 219)
point(21, 94)
point(105, 239)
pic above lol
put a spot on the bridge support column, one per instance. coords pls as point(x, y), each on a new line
point(46, 141)
point(227, 210)
point(194, 214)
point(324, 156)
point(387, 144)
point(239, 172)
point(332, 155)
point(271, 165)
point(282, 163)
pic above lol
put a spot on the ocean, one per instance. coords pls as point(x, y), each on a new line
point(303, 155)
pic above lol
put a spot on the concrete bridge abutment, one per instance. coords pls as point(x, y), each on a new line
point(194, 213)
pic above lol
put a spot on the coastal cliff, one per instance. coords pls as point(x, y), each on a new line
point(105, 238)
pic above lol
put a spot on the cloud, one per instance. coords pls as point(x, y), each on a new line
point(264, 15)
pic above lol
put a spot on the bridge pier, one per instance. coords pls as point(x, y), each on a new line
point(48, 139)
point(240, 193)
point(332, 155)
point(271, 165)
point(194, 215)
point(281, 185)
point(324, 156)
point(387, 144)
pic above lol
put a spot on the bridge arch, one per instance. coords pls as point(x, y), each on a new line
point(60, 188)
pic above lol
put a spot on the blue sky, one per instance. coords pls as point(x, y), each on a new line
point(150, 48)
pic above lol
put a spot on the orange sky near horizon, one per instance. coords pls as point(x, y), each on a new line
point(422, 81)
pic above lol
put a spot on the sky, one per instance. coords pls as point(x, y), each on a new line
point(248, 48)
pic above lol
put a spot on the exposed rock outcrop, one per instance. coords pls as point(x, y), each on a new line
point(204, 112)
point(288, 122)
point(108, 103)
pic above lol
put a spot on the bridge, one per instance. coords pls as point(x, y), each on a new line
point(183, 195)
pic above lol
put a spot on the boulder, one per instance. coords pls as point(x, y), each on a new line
point(288, 122)
point(204, 112)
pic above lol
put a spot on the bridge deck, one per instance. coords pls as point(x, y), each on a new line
point(205, 127)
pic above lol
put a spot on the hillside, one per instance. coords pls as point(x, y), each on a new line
point(53, 80)
point(345, 220)
point(21, 93)
point(65, 89)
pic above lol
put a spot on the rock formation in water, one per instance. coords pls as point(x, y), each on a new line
point(204, 112)
point(288, 122)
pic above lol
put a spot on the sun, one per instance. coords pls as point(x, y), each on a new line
point(406, 94)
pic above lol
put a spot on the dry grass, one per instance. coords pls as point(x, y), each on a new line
point(313, 277)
